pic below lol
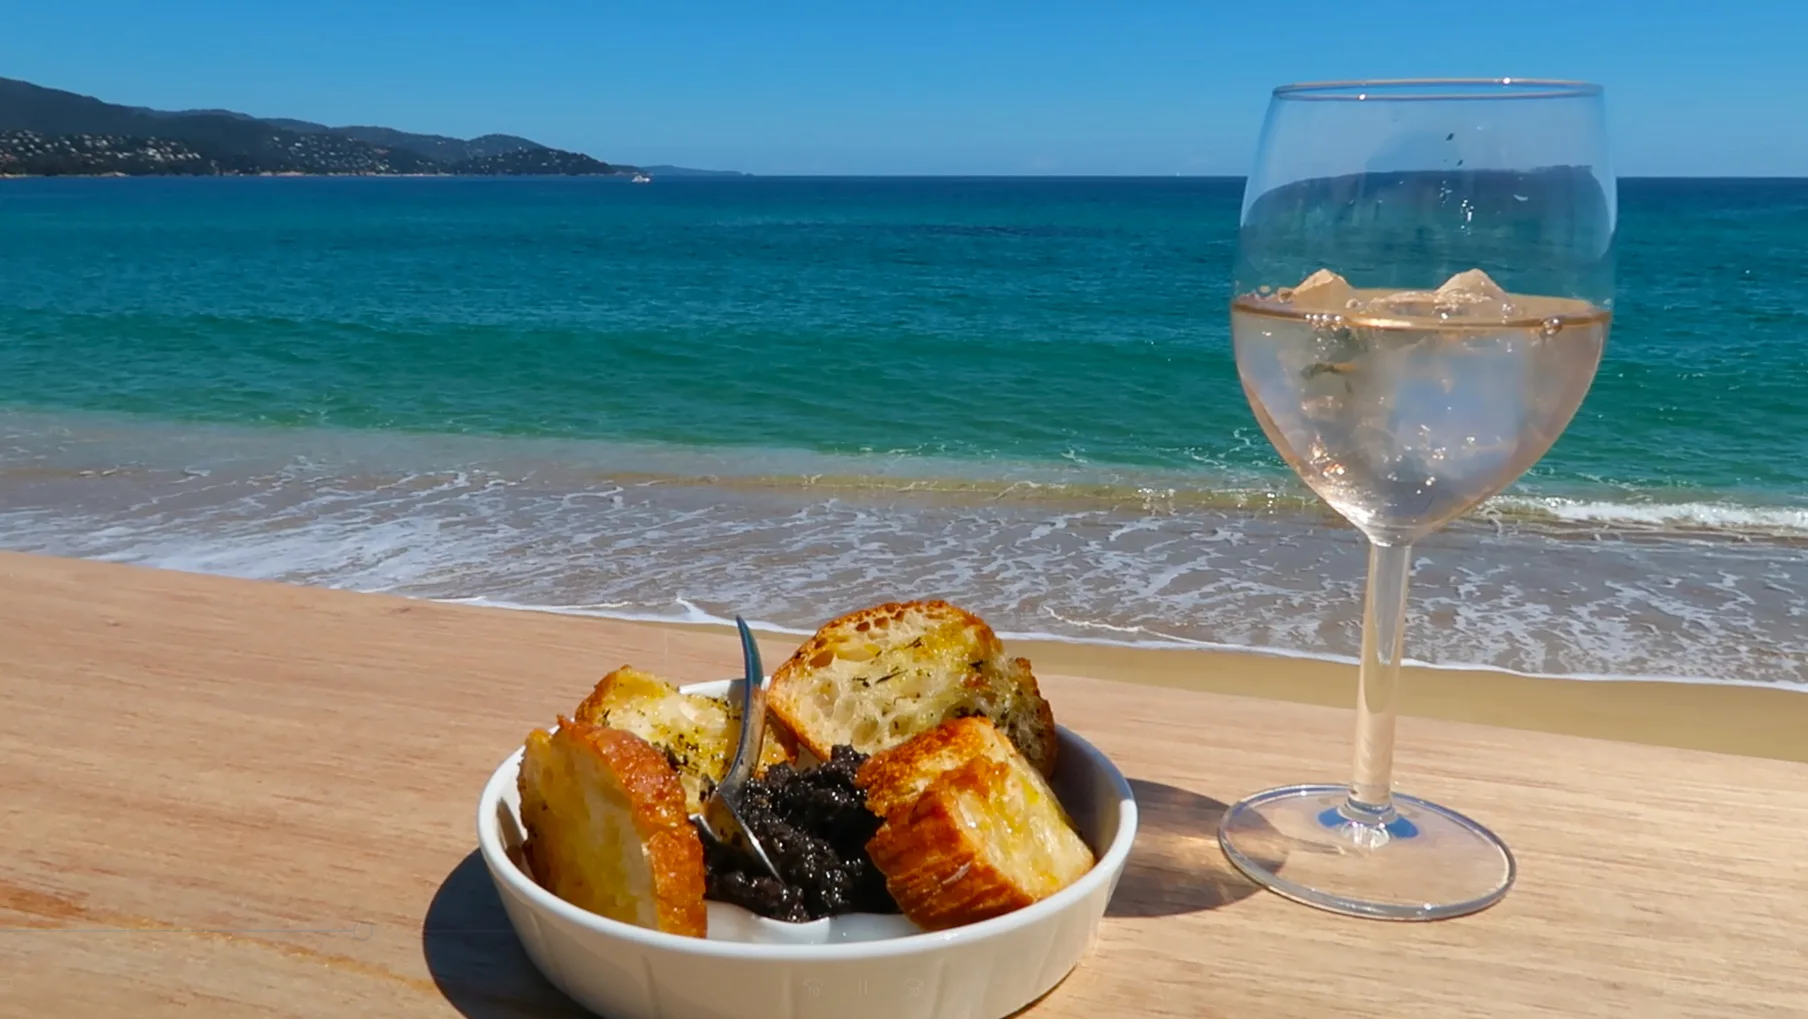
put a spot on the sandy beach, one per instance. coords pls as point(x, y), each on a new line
point(51, 605)
point(278, 782)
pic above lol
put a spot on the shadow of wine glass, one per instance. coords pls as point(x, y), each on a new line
point(1176, 865)
point(475, 957)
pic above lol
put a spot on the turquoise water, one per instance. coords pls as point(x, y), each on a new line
point(786, 397)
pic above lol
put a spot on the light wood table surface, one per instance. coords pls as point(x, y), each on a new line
point(233, 799)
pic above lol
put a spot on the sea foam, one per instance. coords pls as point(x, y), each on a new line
point(1544, 587)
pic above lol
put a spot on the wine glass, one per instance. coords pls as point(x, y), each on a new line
point(1423, 289)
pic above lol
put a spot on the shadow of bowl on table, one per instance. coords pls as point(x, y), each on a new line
point(1176, 866)
point(475, 957)
point(477, 961)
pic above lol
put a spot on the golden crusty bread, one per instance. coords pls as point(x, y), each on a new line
point(697, 734)
point(875, 678)
point(971, 829)
point(607, 828)
point(897, 777)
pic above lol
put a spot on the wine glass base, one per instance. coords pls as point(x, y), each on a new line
point(1425, 863)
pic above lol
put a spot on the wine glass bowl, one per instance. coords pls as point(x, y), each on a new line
point(1423, 292)
point(1403, 410)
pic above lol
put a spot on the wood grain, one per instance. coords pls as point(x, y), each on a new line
point(229, 799)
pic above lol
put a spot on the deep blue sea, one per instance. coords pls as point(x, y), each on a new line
point(785, 398)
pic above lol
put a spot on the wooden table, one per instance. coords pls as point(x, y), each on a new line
point(211, 813)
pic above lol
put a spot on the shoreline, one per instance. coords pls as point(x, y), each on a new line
point(1566, 508)
point(1753, 720)
point(49, 600)
point(441, 516)
point(1052, 641)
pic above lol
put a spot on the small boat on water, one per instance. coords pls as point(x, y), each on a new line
point(641, 178)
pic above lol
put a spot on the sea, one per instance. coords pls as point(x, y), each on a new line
point(788, 398)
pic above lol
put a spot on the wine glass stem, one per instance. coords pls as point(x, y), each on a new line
point(1378, 683)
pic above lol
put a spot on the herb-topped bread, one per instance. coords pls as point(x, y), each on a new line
point(697, 734)
point(875, 678)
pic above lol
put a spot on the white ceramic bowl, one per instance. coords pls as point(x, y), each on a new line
point(844, 968)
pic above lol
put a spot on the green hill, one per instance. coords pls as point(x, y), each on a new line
point(50, 131)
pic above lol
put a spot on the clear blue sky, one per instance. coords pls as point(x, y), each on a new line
point(924, 86)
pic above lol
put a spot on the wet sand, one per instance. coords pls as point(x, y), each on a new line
point(45, 600)
point(1750, 720)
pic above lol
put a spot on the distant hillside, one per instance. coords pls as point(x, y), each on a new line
point(92, 153)
point(50, 131)
point(538, 160)
point(436, 147)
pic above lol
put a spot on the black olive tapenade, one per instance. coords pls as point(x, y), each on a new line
point(814, 825)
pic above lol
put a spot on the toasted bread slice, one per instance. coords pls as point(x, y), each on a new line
point(986, 835)
point(697, 734)
point(607, 828)
point(896, 777)
point(874, 678)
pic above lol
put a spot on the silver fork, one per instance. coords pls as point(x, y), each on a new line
point(720, 819)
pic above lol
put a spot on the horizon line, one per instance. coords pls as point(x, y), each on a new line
point(743, 174)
